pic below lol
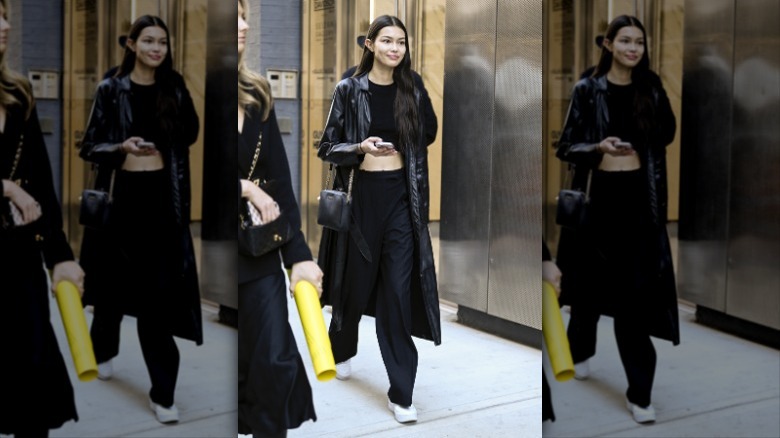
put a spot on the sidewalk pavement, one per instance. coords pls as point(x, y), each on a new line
point(473, 385)
point(711, 385)
point(205, 391)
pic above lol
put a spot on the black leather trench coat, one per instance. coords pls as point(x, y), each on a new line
point(109, 125)
point(347, 126)
point(586, 125)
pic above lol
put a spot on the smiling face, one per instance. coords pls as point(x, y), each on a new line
point(150, 47)
point(243, 26)
point(628, 47)
point(389, 46)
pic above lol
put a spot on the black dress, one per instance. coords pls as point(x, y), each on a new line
point(273, 390)
point(33, 376)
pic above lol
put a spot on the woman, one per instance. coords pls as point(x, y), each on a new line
point(383, 265)
point(273, 391)
point(32, 372)
point(142, 263)
point(620, 264)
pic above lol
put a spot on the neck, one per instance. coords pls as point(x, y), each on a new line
point(381, 75)
point(619, 75)
point(142, 74)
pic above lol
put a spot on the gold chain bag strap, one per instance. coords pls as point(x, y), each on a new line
point(335, 205)
point(256, 238)
point(13, 217)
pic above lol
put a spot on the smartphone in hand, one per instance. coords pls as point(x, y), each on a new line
point(384, 145)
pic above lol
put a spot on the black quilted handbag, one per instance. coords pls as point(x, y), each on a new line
point(256, 238)
point(95, 206)
point(334, 205)
point(572, 207)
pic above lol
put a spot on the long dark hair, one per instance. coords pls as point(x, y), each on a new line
point(164, 76)
point(405, 109)
point(641, 77)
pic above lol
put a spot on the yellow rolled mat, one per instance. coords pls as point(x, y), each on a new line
point(555, 338)
point(72, 312)
point(308, 302)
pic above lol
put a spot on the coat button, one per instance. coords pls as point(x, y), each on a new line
point(38, 238)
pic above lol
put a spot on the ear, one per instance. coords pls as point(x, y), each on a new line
point(369, 45)
point(130, 44)
point(607, 44)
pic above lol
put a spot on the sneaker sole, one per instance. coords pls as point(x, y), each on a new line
point(642, 421)
point(164, 420)
point(401, 418)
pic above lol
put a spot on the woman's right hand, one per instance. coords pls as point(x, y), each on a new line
point(607, 146)
point(369, 148)
point(308, 271)
point(27, 205)
point(552, 275)
point(130, 146)
point(265, 204)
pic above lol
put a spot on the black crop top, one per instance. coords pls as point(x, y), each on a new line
point(382, 112)
point(620, 102)
point(143, 100)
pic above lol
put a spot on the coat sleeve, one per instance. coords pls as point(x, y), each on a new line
point(334, 147)
point(55, 245)
point(97, 146)
point(573, 146)
point(296, 250)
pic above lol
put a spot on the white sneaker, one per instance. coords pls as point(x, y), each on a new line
point(344, 370)
point(402, 414)
point(641, 415)
point(165, 415)
point(105, 370)
point(582, 370)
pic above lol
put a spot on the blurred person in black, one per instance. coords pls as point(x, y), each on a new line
point(36, 394)
point(274, 394)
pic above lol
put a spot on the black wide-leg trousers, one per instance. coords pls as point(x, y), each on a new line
point(381, 211)
point(623, 237)
point(146, 257)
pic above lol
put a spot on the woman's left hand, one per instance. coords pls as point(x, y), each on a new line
point(306, 271)
point(68, 271)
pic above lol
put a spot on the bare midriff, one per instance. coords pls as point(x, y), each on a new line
point(143, 164)
point(382, 164)
point(623, 163)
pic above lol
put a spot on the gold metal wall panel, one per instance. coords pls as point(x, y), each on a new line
point(467, 151)
point(515, 274)
point(753, 278)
